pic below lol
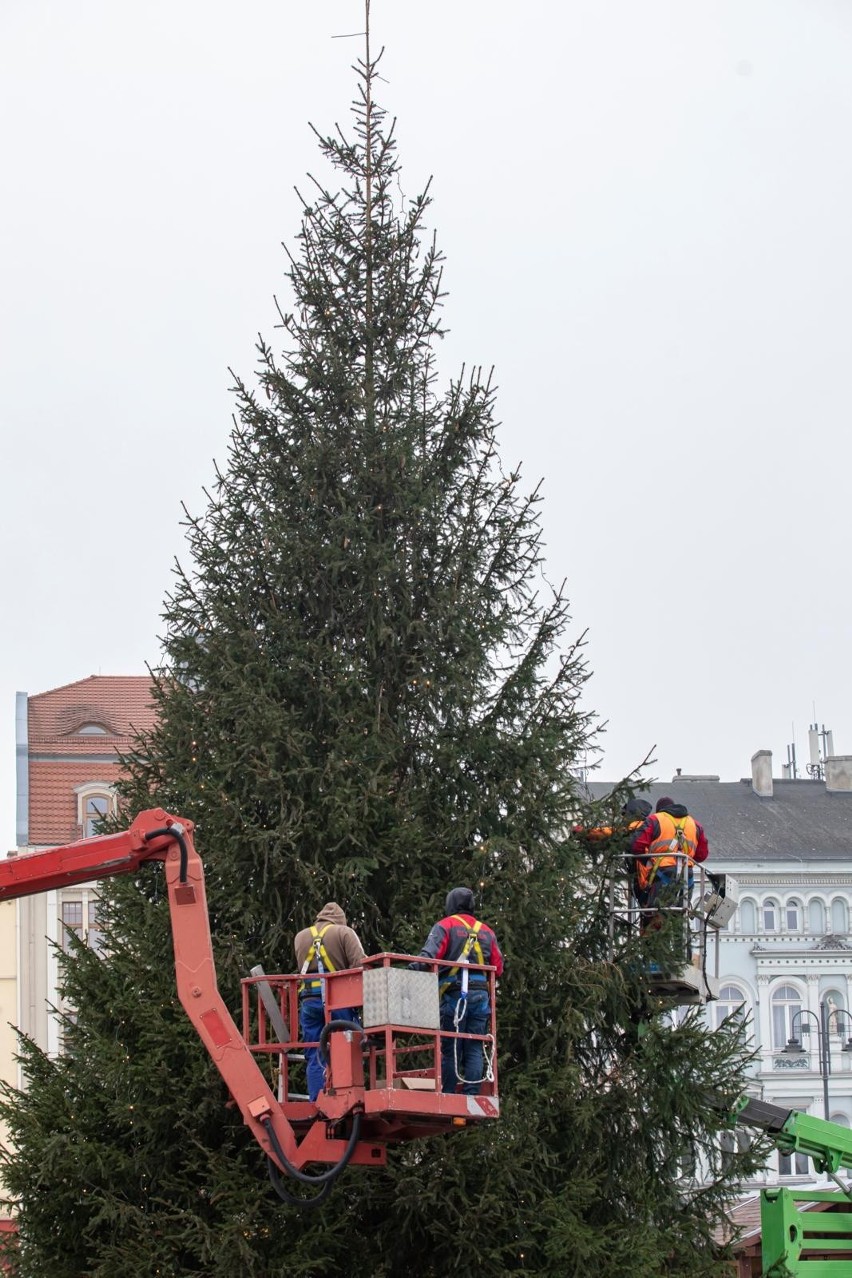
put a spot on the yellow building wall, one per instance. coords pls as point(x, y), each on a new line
point(8, 995)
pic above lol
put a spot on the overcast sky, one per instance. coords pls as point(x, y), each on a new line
point(645, 207)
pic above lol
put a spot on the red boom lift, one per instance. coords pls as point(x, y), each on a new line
point(359, 1112)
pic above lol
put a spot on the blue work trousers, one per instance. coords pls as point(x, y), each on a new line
point(312, 1020)
point(475, 1019)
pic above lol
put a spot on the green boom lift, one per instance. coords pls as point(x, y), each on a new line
point(796, 1243)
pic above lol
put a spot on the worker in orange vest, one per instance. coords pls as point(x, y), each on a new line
point(665, 849)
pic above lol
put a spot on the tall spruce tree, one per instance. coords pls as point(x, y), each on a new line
point(368, 694)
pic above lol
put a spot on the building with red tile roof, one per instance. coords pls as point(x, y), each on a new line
point(744, 1233)
point(69, 742)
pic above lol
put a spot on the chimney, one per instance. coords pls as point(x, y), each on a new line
point(761, 773)
point(838, 774)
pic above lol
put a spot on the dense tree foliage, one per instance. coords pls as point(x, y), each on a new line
point(369, 694)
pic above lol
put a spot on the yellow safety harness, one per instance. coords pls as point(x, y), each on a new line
point(666, 854)
point(318, 952)
point(472, 944)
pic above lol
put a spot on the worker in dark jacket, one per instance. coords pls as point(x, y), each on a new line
point(465, 1005)
point(328, 945)
point(665, 848)
point(633, 816)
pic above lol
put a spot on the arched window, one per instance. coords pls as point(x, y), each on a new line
point(816, 917)
point(92, 730)
point(95, 808)
point(95, 800)
point(748, 917)
point(838, 916)
point(793, 915)
point(840, 1119)
point(731, 1002)
point(770, 916)
point(786, 1006)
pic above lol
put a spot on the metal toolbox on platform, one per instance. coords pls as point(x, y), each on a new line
point(396, 996)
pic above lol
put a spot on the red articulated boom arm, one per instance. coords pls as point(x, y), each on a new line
point(156, 835)
point(354, 1117)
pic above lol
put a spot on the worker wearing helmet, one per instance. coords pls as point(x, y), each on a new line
point(465, 1004)
point(665, 849)
point(328, 945)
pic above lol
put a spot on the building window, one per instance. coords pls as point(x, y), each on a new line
point(731, 1002)
point(770, 916)
point(96, 807)
point(95, 800)
point(792, 1164)
point(94, 935)
point(92, 730)
point(838, 917)
point(816, 917)
point(79, 913)
point(72, 921)
point(786, 1006)
point(747, 917)
point(794, 916)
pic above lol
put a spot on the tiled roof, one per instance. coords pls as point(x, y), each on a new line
point(53, 803)
point(744, 1220)
point(119, 703)
point(801, 822)
point(62, 759)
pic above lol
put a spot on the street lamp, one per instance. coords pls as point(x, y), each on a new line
point(823, 1029)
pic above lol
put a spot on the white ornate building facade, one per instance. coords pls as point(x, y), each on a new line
point(786, 956)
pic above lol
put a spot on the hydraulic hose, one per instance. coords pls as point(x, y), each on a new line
point(327, 1178)
point(324, 1179)
point(177, 835)
point(293, 1199)
point(331, 1028)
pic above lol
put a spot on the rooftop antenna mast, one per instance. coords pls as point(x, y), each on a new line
point(789, 769)
point(820, 747)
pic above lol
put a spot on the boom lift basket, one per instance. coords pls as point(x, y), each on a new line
point(392, 1071)
point(702, 905)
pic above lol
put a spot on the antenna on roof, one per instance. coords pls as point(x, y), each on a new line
point(789, 771)
point(821, 747)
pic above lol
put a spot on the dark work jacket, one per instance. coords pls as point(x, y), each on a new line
point(447, 940)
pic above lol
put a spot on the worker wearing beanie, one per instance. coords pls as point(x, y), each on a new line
point(460, 935)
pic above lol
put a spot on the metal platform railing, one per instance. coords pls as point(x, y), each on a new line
point(402, 1044)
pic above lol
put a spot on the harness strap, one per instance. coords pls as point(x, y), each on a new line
point(318, 952)
point(677, 845)
point(472, 943)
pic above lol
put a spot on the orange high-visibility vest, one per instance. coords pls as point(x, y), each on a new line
point(677, 834)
